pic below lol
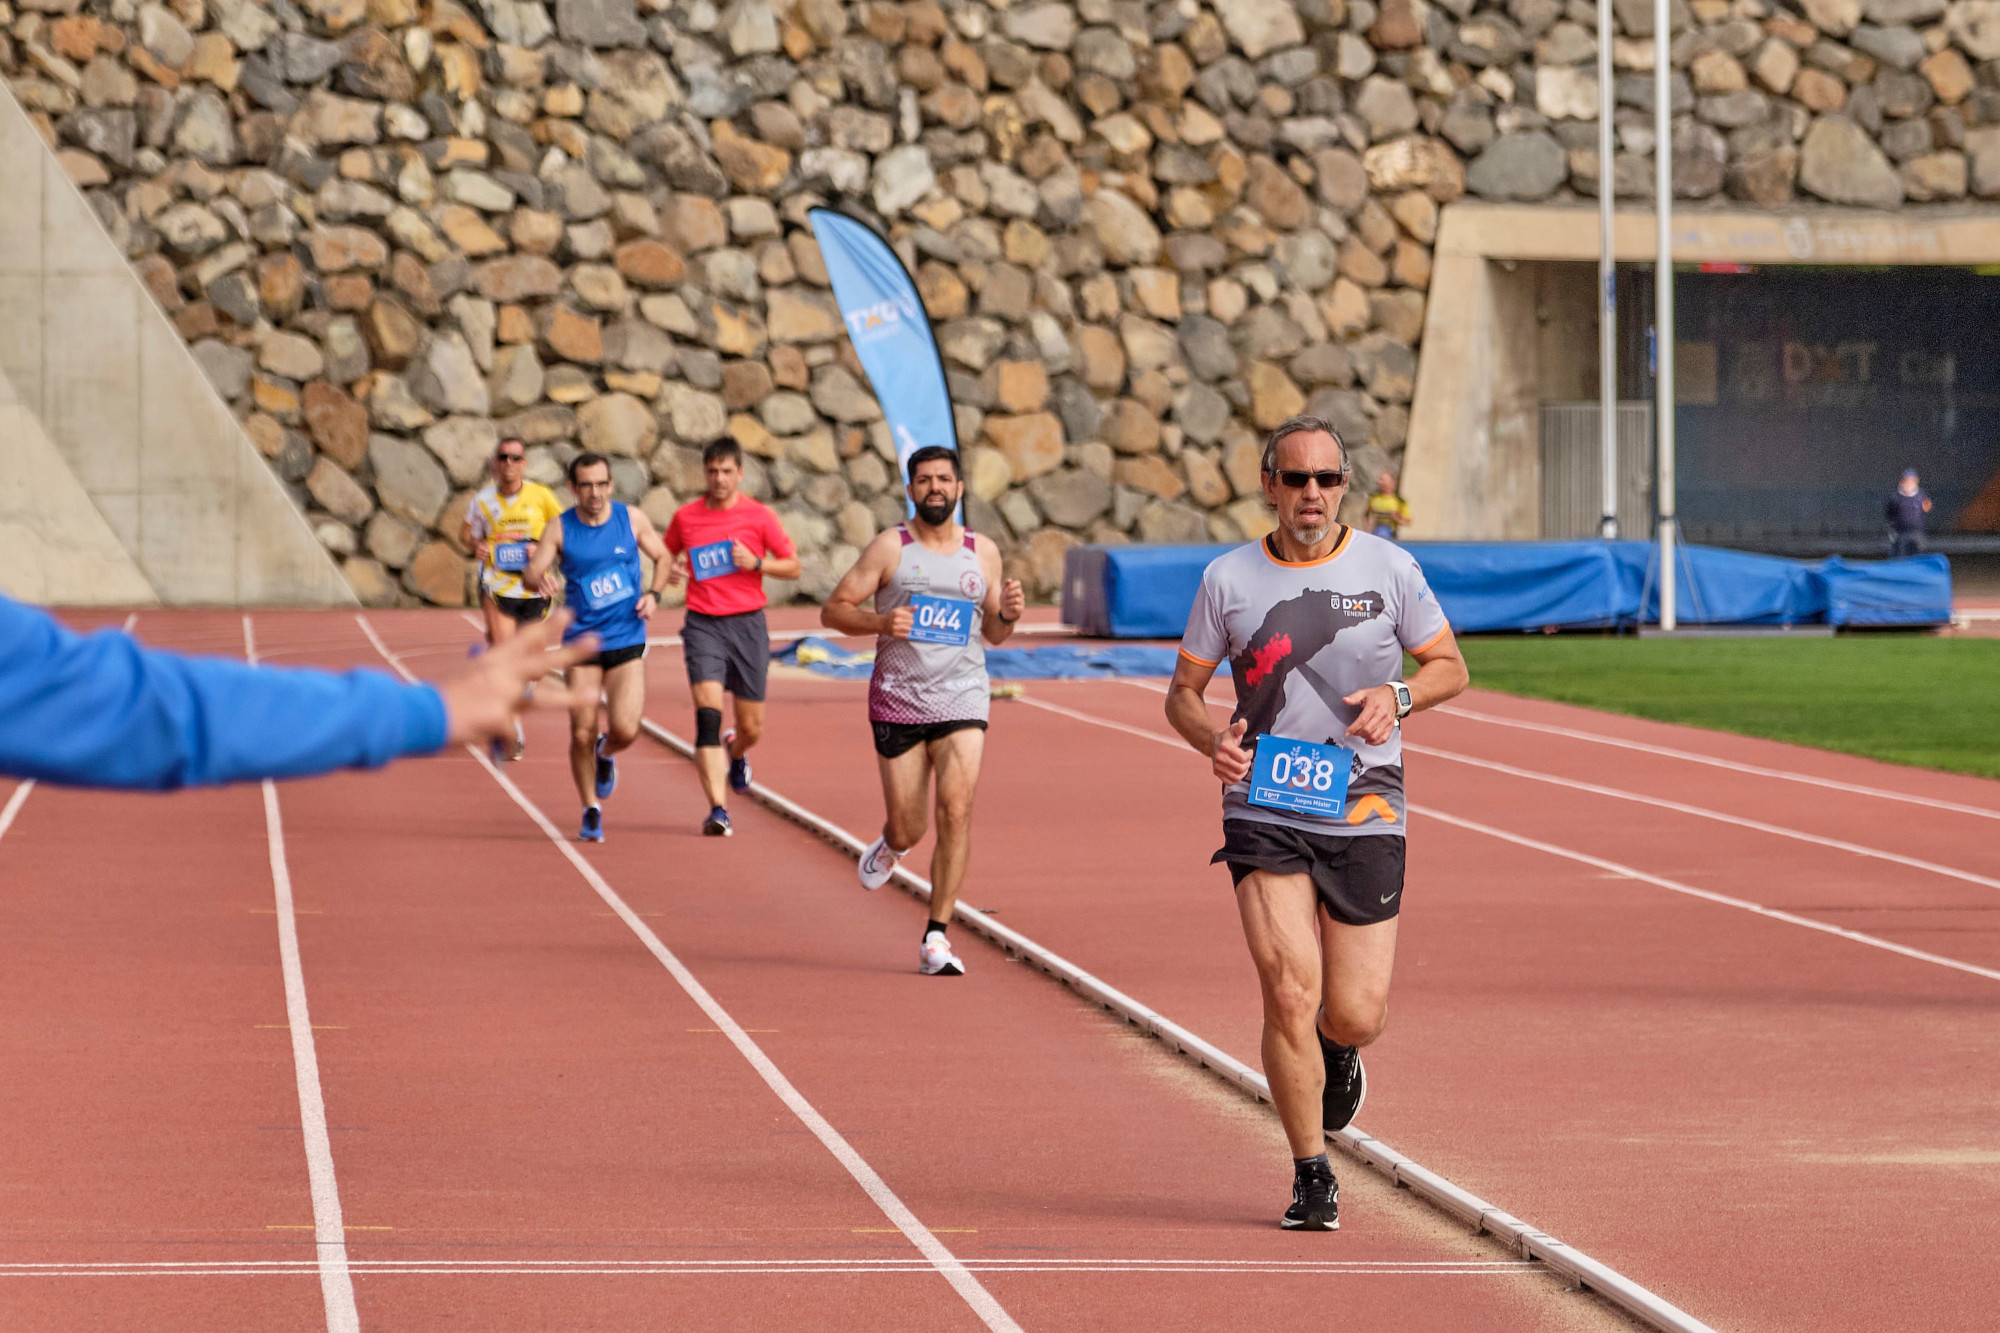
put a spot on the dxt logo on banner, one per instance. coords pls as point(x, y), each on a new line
point(884, 319)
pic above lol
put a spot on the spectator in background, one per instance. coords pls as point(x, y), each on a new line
point(1388, 512)
point(1905, 512)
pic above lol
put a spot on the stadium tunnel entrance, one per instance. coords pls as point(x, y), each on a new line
point(1817, 356)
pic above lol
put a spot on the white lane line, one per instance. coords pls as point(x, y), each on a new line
point(131, 622)
point(941, 1258)
point(1531, 1242)
point(1702, 812)
point(14, 804)
point(726, 1267)
point(1754, 770)
point(1628, 872)
point(336, 1284)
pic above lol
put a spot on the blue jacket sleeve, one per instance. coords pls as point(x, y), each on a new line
point(100, 711)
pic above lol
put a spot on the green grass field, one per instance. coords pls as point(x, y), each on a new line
point(1908, 699)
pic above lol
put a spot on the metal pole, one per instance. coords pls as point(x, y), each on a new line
point(1663, 293)
point(1607, 283)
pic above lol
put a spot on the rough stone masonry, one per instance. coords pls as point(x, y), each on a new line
point(393, 230)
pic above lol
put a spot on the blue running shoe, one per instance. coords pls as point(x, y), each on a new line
point(607, 772)
point(739, 769)
point(593, 826)
point(717, 824)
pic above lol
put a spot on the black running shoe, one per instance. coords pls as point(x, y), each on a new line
point(1315, 1204)
point(1346, 1084)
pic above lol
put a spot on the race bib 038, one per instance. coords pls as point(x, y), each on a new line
point(944, 620)
point(604, 590)
point(712, 560)
point(1301, 777)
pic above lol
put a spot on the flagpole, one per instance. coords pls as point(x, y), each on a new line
point(1607, 284)
point(1663, 294)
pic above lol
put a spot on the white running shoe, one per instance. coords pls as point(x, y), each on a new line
point(935, 958)
point(877, 864)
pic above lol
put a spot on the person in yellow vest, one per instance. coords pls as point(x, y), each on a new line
point(1388, 512)
point(502, 525)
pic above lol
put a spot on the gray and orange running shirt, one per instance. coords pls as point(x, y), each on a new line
point(916, 682)
point(1301, 637)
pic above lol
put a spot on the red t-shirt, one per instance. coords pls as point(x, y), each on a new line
point(716, 588)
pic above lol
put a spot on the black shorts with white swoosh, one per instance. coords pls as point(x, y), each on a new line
point(1359, 879)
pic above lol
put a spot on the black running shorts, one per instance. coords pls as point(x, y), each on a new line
point(525, 610)
point(895, 738)
point(1359, 879)
point(735, 650)
point(616, 657)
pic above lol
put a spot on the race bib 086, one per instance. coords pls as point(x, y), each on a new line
point(606, 589)
point(944, 620)
point(1300, 776)
point(511, 556)
point(714, 559)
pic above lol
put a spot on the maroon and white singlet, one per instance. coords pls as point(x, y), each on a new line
point(916, 683)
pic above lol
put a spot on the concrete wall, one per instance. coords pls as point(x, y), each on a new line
point(100, 383)
point(1512, 323)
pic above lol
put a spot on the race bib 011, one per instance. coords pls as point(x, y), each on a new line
point(712, 560)
point(1300, 777)
point(945, 620)
point(511, 557)
point(605, 590)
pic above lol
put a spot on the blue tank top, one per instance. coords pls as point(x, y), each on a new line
point(600, 568)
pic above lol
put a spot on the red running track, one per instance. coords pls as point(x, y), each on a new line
point(534, 1125)
point(1771, 1126)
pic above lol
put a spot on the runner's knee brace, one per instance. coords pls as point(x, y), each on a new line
point(707, 727)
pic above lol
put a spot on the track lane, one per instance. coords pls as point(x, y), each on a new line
point(150, 1113)
point(1110, 1151)
point(531, 1092)
point(1598, 1025)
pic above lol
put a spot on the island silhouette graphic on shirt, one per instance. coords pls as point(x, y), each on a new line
point(1293, 633)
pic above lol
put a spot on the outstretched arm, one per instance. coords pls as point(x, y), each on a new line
point(100, 711)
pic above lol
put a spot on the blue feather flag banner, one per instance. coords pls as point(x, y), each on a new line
point(890, 332)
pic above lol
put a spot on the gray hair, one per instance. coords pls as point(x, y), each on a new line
point(1300, 425)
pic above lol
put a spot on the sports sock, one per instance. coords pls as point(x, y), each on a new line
point(938, 926)
point(1312, 1167)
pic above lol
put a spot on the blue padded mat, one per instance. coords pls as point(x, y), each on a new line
point(1144, 592)
point(1056, 661)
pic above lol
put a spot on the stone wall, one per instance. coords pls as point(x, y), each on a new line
point(393, 230)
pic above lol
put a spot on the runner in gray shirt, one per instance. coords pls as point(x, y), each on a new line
point(1314, 621)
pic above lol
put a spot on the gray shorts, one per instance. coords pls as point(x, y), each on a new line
point(735, 650)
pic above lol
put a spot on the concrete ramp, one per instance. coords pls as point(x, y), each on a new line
point(104, 407)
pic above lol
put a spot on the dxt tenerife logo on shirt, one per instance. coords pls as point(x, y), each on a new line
point(884, 319)
point(1292, 634)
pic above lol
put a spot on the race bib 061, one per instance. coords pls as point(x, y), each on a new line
point(511, 557)
point(606, 589)
point(714, 559)
point(1301, 777)
point(944, 620)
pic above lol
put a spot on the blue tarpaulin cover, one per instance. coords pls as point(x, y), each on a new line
point(1064, 661)
point(1144, 592)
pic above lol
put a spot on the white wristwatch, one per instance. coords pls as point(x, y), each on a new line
point(1404, 703)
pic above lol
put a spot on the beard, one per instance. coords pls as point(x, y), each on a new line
point(1310, 536)
point(935, 510)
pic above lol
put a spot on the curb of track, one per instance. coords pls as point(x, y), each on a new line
point(1527, 1240)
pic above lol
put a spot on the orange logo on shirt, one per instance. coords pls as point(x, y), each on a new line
point(1367, 805)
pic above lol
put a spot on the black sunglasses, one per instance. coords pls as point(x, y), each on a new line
point(511, 458)
point(1297, 480)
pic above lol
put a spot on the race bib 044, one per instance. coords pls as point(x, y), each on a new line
point(944, 620)
point(604, 590)
point(712, 560)
point(1301, 777)
point(511, 557)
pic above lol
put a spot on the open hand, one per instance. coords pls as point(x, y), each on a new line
point(482, 697)
point(1377, 719)
point(1232, 761)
